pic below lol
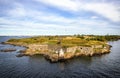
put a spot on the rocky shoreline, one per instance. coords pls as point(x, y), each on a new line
point(8, 50)
point(57, 53)
point(56, 58)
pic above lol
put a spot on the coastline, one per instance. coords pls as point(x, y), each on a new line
point(55, 57)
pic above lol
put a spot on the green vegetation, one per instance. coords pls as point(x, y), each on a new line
point(99, 37)
point(77, 51)
point(67, 41)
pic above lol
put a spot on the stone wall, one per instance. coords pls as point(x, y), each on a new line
point(84, 50)
point(71, 49)
point(95, 49)
point(38, 47)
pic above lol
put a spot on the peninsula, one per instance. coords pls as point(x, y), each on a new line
point(57, 48)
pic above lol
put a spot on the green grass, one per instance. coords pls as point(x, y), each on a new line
point(65, 41)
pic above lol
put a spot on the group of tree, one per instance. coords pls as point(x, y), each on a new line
point(99, 37)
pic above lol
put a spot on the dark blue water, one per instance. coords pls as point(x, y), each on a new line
point(105, 66)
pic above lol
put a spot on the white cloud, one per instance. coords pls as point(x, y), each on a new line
point(23, 18)
point(32, 28)
point(16, 24)
point(94, 17)
point(78, 25)
point(17, 11)
point(107, 10)
point(22, 12)
point(43, 16)
point(62, 4)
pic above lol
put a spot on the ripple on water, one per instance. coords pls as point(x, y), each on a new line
point(105, 66)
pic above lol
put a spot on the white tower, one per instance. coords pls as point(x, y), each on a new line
point(61, 53)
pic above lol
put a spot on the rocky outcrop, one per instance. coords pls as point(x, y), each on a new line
point(56, 53)
point(79, 51)
point(8, 50)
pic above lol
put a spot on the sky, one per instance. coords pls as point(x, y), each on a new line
point(59, 17)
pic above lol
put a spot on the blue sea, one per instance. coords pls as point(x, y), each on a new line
point(102, 66)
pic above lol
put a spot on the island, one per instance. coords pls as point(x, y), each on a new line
point(57, 48)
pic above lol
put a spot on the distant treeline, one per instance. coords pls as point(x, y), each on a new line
point(99, 37)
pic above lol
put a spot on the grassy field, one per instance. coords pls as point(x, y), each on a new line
point(65, 41)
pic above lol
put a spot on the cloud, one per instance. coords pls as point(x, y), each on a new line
point(16, 24)
point(62, 4)
point(78, 26)
point(107, 10)
point(94, 17)
point(17, 11)
point(86, 18)
point(22, 12)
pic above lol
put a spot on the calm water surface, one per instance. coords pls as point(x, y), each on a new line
point(105, 66)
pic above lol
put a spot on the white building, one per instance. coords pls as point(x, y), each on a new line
point(61, 53)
